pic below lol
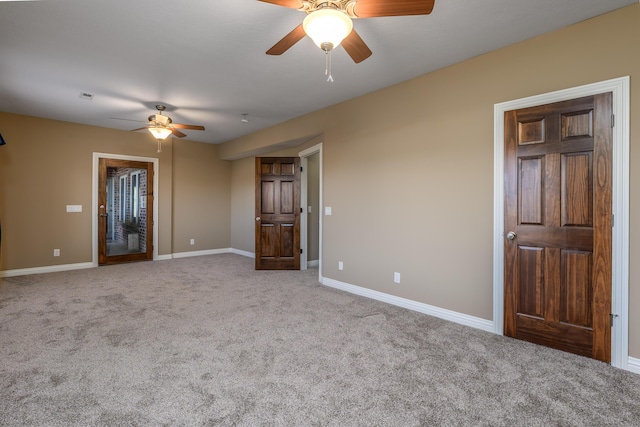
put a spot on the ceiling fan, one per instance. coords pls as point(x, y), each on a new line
point(162, 126)
point(329, 22)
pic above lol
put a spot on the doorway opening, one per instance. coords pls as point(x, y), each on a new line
point(124, 209)
point(311, 204)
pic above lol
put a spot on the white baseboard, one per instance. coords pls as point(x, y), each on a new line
point(633, 365)
point(84, 265)
point(201, 253)
point(46, 269)
point(453, 316)
point(313, 263)
point(243, 253)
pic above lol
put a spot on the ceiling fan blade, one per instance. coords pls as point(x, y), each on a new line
point(287, 41)
point(135, 130)
point(293, 4)
point(177, 133)
point(356, 47)
point(374, 8)
point(183, 126)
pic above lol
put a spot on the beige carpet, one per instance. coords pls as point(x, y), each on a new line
point(207, 341)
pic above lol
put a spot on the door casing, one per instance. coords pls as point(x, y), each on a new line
point(620, 257)
point(304, 238)
point(94, 199)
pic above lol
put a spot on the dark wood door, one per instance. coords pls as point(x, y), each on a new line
point(130, 205)
point(558, 189)
point(277, 213)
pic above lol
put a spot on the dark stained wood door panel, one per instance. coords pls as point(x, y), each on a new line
point(558, 189)
point(277, 233)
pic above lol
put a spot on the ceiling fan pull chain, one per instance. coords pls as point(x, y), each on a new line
point(327, 68)
point(159, 145)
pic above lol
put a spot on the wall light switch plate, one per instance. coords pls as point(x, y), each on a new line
point(396, 277)
point(74, 208)
point(327, 210)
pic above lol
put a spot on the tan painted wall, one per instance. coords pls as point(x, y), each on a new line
point(408, 170)
point(201, 197)
point(47, 165)
point(243, 204)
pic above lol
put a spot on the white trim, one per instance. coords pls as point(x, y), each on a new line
point(304, 216)
point(94, 198)
point(243, 253)
point(453, 316)
point(85, 265)
point(122, 199)
point(620, 256)
point(306, 153)
point(47, 269)
point(201, 253)
point(633, 365)
point(135, 201)
point(313, 263)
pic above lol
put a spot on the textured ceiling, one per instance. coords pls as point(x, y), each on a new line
point(205, 59)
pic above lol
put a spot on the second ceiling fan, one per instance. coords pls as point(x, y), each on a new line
point(328, 22)
point(162, 126)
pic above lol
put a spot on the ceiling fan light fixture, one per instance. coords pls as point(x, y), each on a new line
point(159, 132)
point(327, 27)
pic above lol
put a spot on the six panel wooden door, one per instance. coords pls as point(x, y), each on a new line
point(277, 213)
point(558, 219)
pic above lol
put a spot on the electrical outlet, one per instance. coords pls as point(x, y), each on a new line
point(396, 277)
point(340, 265)
point(56, 252)
point(192, 242)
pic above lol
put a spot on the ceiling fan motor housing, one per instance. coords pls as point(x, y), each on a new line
point(160, 119)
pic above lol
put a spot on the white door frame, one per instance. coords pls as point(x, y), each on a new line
point(303, 204)
point(94, 199)
point(620, 242)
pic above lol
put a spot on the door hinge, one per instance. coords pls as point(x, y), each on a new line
point(611, 317)
point(301, 169)
point(301, 210)
point(301, 251)
point(613, 120)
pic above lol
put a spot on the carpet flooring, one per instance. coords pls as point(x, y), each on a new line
point(208, 341)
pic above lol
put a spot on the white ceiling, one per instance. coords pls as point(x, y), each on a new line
point(205, 59)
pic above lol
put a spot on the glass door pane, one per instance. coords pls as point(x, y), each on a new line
point(128, 233)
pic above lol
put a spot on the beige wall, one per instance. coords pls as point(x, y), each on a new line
point(47, 165)
point(408, 170)
point(201, 197)
point(243, 204)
